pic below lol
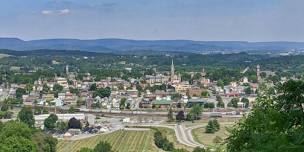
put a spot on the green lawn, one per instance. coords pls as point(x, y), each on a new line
point(121, 141)
point(200, 136)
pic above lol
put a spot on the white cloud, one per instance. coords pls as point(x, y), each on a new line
point(46, 12)
point(63, 12)
point(55, 12)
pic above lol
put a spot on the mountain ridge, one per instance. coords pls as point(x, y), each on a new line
point(122, 45)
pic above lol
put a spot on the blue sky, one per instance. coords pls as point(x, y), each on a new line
point(248, 20)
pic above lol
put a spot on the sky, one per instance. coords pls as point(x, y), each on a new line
point(206, 20)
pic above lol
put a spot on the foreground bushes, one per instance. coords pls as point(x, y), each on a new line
point(162, 142)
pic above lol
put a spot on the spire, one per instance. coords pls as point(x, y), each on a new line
point(172, 69)
point(258, 73)
point(203, 72)
point(67, 69)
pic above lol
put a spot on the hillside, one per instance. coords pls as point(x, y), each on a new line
point(125, 45)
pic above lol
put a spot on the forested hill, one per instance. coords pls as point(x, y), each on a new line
point(125, 45)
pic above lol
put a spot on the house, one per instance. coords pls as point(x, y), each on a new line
point(182, 87)
point(61, 96)
point(195, 91)
point(132, 92)
point(48, 97)
point(196, 101)
point(41, 102)
point(57, 102)
point(162, 103)
point(89, 101)
point(70, 98)
point(156, 80)
point(63, 82)
point(115, 103)
point(145, 103)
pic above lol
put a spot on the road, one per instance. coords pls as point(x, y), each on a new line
point(183, 134)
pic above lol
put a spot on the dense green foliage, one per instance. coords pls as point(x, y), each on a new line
point(18, 137)
point(196, 111)
point(50, 122)
point(103, 147)
point(26, 116)
point(212, 126)
point(162, 142)
point(102, 92)
point(234, 102)
point(275, 123)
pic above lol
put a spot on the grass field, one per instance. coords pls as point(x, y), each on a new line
point(121, 141)
point(200, 136)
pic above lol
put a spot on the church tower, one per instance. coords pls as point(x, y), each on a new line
point(172, 70)
point(203, 74)
point(67, 69)
point(258, 73)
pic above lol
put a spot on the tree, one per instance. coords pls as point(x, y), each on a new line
point(102, 92)
point(20, 92)
point(18, 137)
point(216, 124)
point(205, 94)
point(180, 116)
point(61, 126)
point(45, 88)
point(71, 109)
point(190, 117)
point(46, 143)
point(246, 102)
point(234, 102)
point(122, 103)
point(29, 87)
point(199, 149)
point(74, 123)
point(17, 144)
point(57, 88)
point(85, 150)
point(220, 83)
point(170, 115)
point(162, 142)
point(210, 128)
point(220, 102)
point(26, 116)
point(179, 150)
point(248, 90)
point(50, 122)
point(103, 146)
point(93, 87)
point(275, 122)
point(74, 90)
point(128, 106)
point(4, 107)
point(196, 111)
point(209, 105)
point(15, 128)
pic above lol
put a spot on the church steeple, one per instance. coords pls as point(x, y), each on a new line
point(172, 69)
point(258, 73)
point(203, 73)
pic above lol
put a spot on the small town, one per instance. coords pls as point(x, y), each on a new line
point(150, 99)
point(151, 76)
